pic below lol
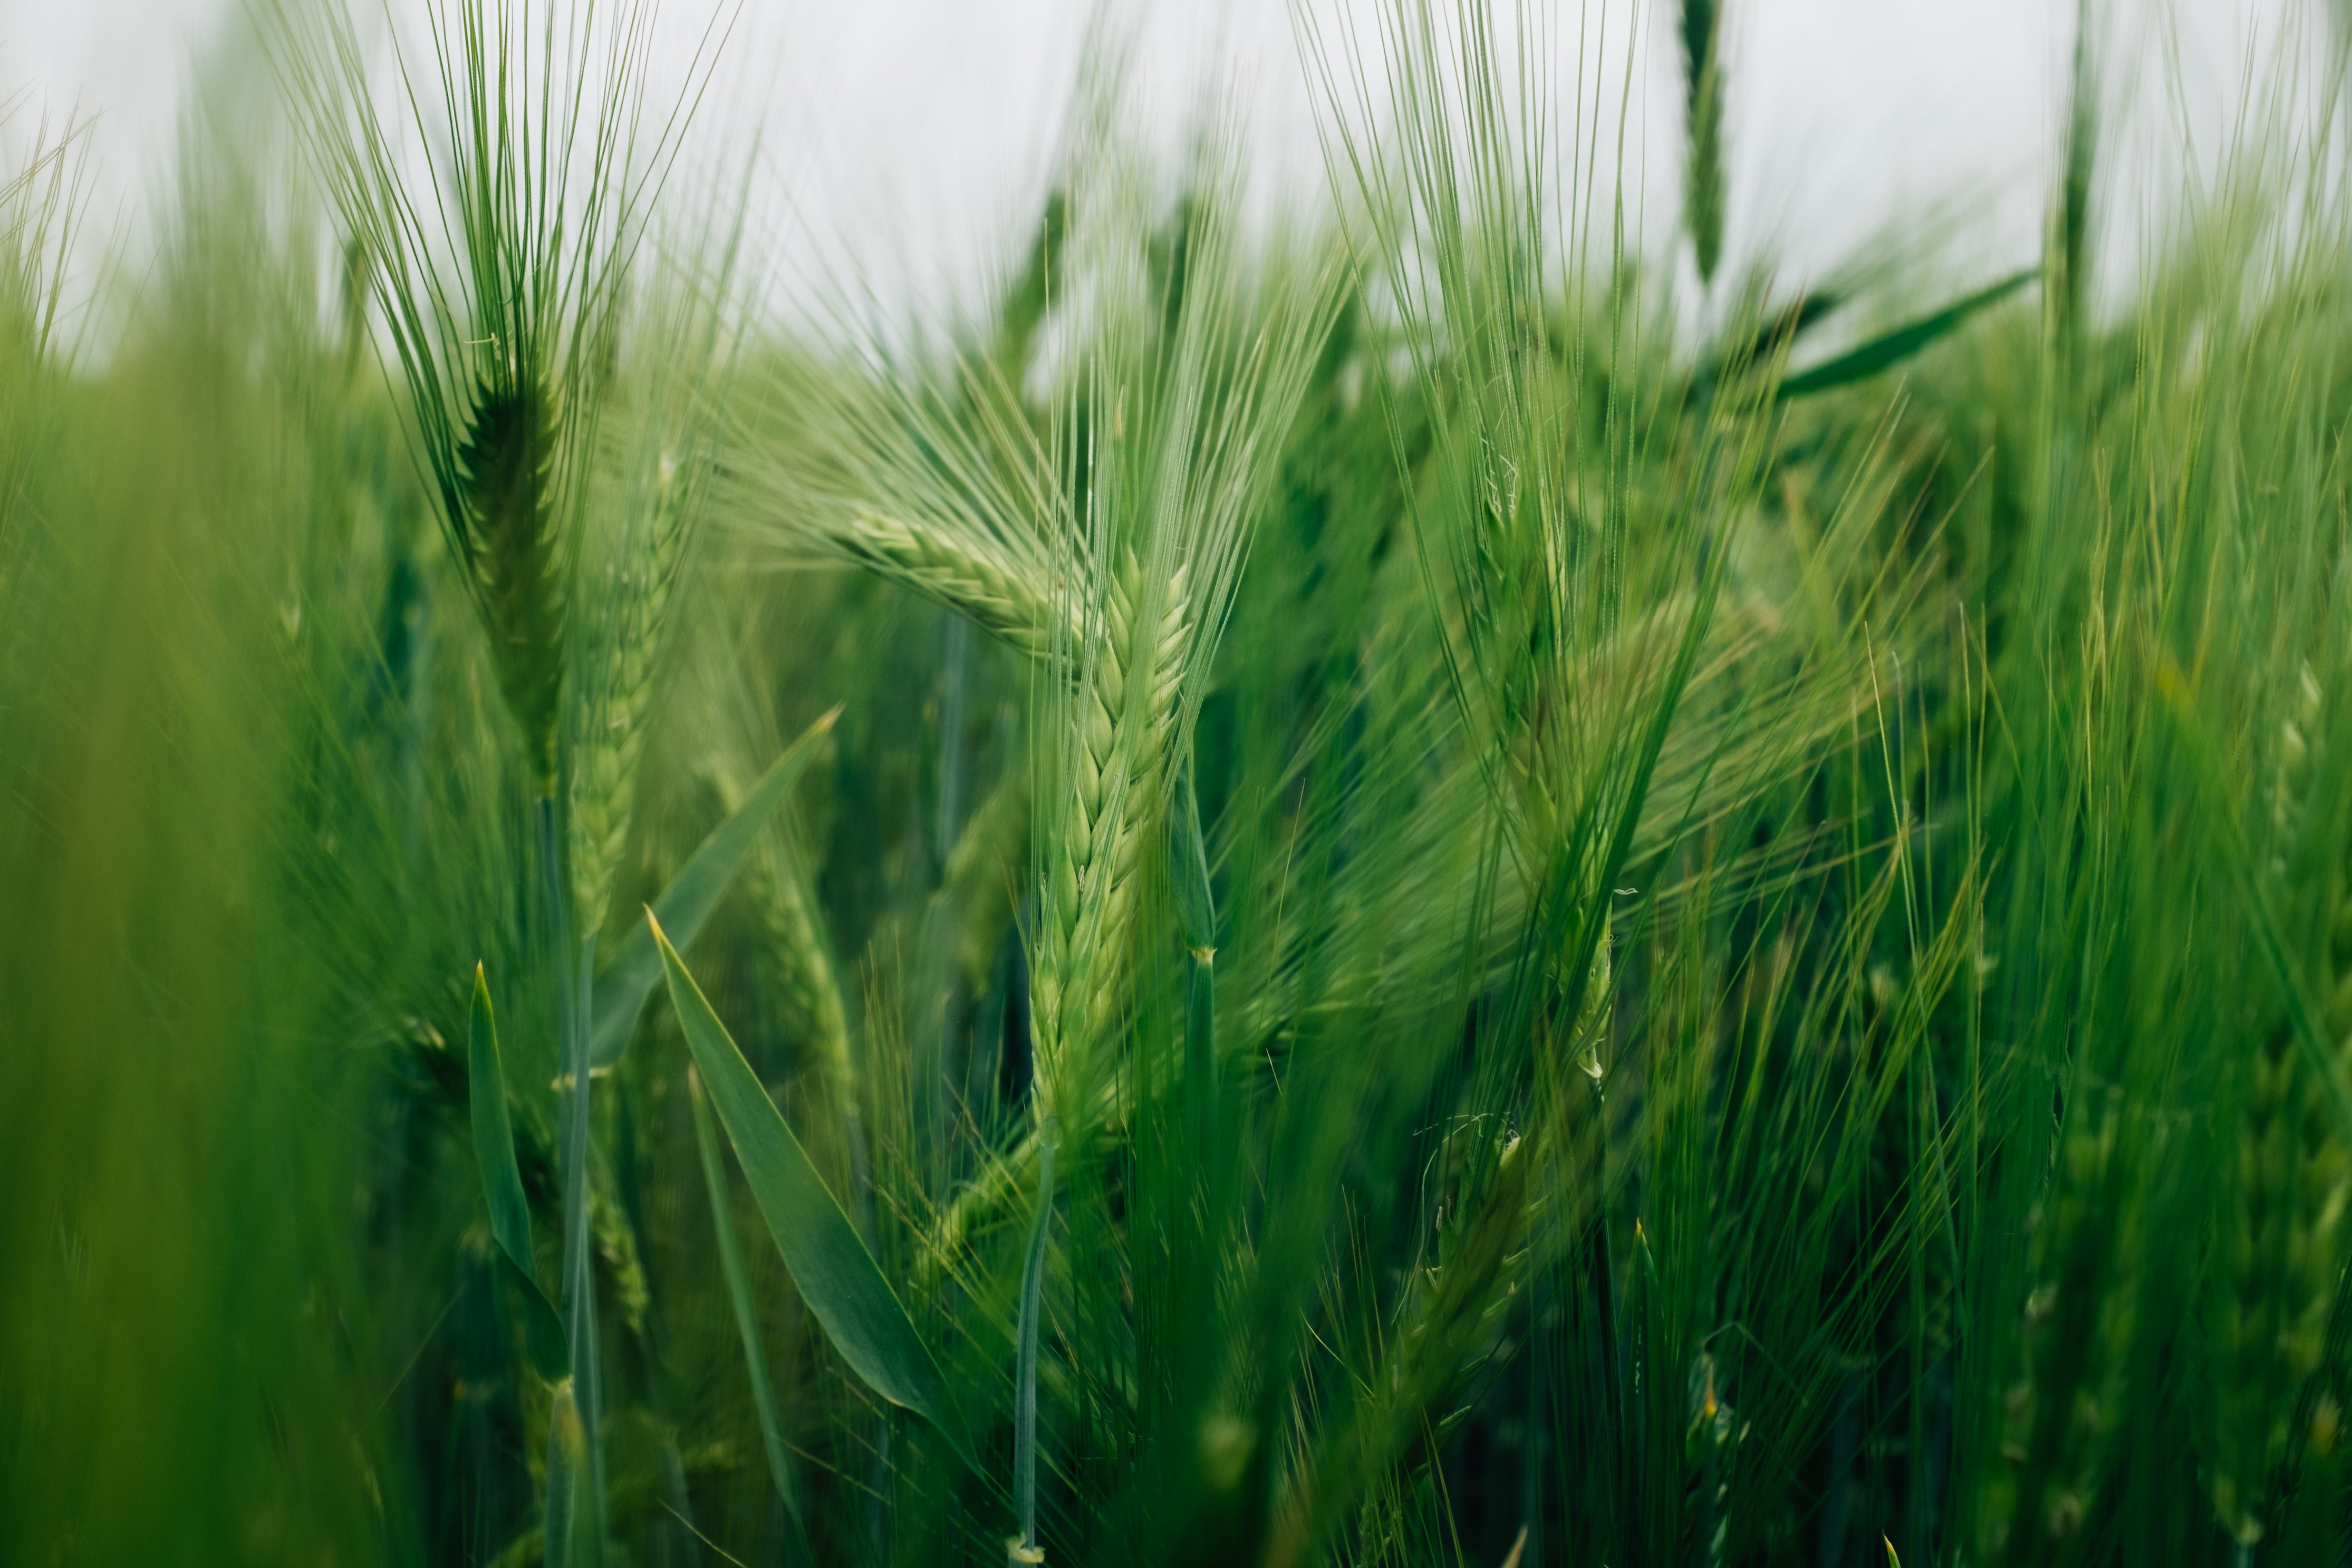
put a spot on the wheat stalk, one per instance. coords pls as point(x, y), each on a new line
point(500, 283)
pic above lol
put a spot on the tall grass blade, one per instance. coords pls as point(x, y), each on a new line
point(1890, 348)
point(2305, 1015)
point(2072, 259)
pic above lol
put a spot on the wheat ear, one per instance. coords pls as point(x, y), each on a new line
point(2287, 1205)
point(639, 587)
point(504, 526)
point(794, 944)
point(993, 595)
point(2060, 1418)
point(1124, 722)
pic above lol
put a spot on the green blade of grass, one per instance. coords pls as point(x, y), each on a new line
point(739, 1297)
point(1196, 913)
point(687, 903)
point(1188, 872)
point(551, 1353)
point(836, 1276)
point(1890, 348)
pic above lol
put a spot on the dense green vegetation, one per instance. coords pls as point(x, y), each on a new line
point(1343, 894)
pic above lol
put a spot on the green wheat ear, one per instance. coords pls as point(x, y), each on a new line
point(501, 278)
point(634, 556)
point(505, 531)
point(1703, 86)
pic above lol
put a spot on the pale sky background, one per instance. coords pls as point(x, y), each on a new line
point(914, 137)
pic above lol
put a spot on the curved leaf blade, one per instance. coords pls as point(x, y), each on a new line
point(687, 903)
point(551, 1353)
point(1890, 348)
point(836, 1276)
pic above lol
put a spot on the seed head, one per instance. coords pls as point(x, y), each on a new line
point(503, 522)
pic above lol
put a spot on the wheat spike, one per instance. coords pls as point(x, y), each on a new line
point(796, 947)
point(1703, 83)
point(1124, 730)
point(2062, 1414)
point(804, 961)
point(623, 667)
point(505, 530)
point(1122, 743)
point(2292, 1180)
point(994, 595)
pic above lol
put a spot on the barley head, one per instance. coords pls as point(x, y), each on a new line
point(504, 526)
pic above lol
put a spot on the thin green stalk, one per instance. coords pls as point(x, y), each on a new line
point(579, 1248)
point(1024, 1549)
point(1196, 913)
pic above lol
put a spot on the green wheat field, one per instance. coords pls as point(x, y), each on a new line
point(1410, 884)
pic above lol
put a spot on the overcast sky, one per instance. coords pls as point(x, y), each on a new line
point(915, 135)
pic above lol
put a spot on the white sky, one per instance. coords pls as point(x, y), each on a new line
point(915, 135)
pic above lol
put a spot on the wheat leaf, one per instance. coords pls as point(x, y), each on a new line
point(836, 1276)
point(1890, 348)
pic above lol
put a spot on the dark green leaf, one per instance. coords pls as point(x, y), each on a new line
point(1893, 348)
point(836, 1276)
point(1744, 348)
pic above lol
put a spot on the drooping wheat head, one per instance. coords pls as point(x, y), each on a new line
point(961, 573)
point(943, 489)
